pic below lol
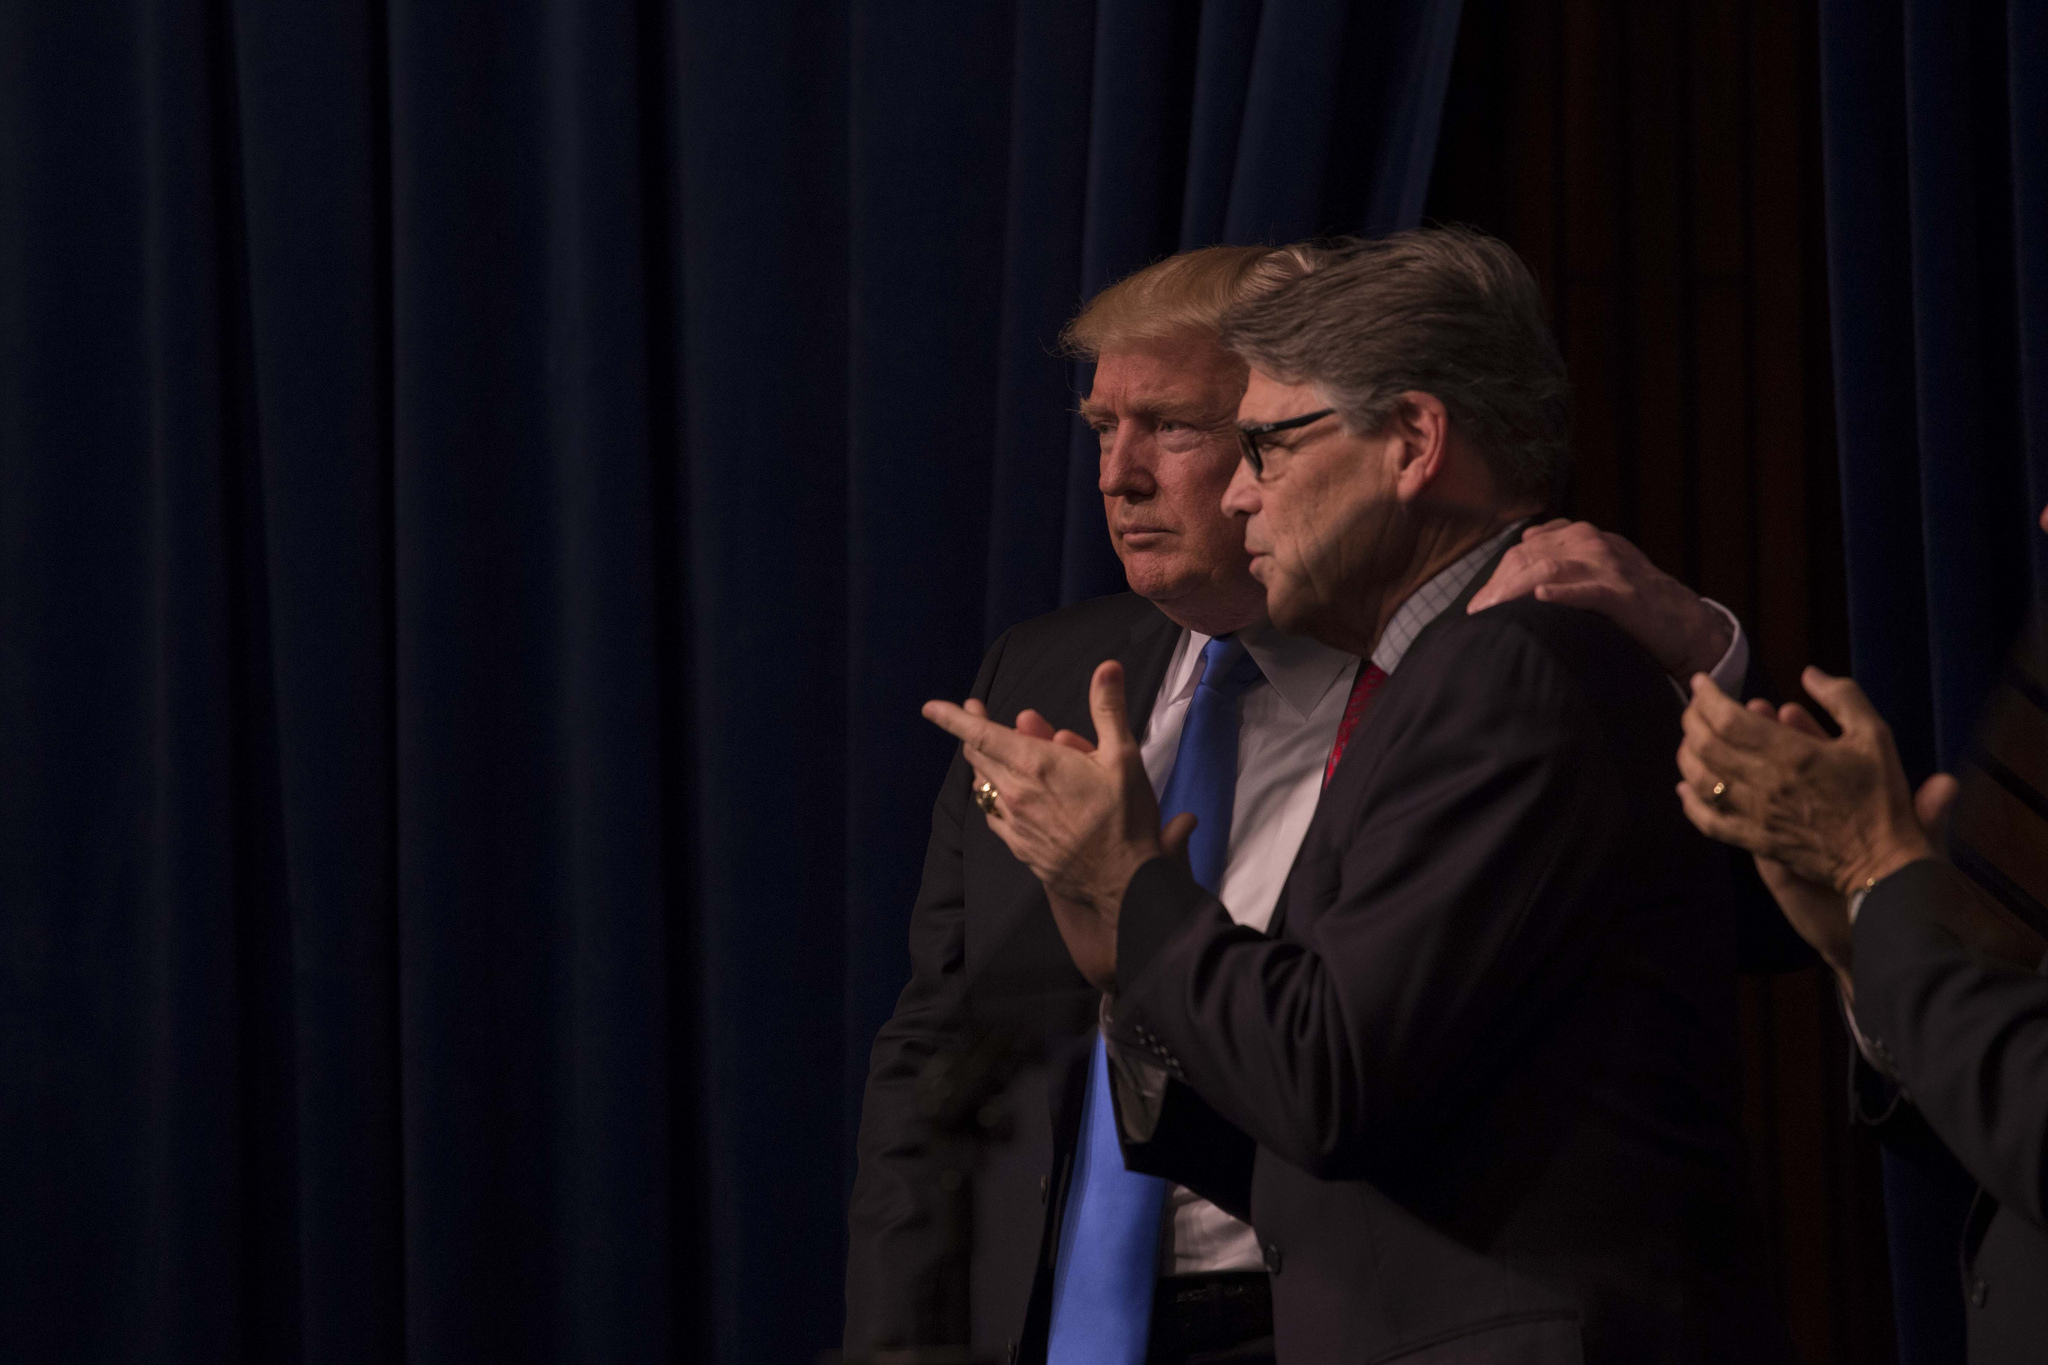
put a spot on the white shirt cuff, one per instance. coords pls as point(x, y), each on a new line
point(1734, 666)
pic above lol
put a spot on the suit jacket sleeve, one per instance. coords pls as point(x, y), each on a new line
point(895, 1235)
point(1461, 908)
point(1967, 1037)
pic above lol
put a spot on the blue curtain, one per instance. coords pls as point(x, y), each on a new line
point(1935, 123)
point(484, 487)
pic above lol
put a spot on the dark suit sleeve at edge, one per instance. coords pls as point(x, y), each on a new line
point(1968, 1037)
point(894, 1237)
point(1495, 807)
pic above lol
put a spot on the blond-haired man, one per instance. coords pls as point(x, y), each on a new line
point(1164, 403)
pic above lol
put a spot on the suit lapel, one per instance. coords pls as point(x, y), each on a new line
point(1030, 936)
point(1144, 657)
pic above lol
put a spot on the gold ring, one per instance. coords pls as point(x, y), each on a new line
point(1714, 797)
point(985, 797)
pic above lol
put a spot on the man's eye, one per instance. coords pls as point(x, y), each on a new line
point(1169, 426)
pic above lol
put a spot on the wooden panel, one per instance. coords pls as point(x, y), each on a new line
point(1722, 279)
point(1656, 331)
point(1779, 227)
point(1659, 171)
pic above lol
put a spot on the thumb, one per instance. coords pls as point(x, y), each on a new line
point(1842, 699)
point(1931, 802)
point(1106, 705)
point(1174, 838)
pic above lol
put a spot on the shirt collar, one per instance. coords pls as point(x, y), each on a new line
point(1430, 600)
point(1301, 670)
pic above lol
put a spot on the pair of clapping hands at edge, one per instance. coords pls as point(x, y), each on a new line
point(1826, 818)
point(1083, 817)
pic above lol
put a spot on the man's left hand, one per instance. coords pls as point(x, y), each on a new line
point(1081, 816)
point(1575, 564)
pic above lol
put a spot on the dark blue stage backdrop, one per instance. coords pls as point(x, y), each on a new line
point(484, 487)
point(1935, 119)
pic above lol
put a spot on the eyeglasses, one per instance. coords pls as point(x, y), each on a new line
point(1248, 438)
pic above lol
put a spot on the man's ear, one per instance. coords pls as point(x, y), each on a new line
point(1423, 428)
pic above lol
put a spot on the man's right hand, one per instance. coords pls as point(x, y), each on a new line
point(1081, 816)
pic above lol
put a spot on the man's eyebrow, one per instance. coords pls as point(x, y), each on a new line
point(1187, 413)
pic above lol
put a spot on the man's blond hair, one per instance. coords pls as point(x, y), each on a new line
point(1181, 295)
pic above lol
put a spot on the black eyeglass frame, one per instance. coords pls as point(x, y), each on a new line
point(1248, 438)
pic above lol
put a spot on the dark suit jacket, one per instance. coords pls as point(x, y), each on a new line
point(980, 930)
point(982, 941)
point(1487, 1055)
point(1968, 1040)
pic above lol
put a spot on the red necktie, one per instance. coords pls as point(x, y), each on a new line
point(1368, 682)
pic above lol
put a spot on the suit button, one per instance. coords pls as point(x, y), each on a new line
point(1978, 1293)
point(1044, 1187)
point(1271, 1252)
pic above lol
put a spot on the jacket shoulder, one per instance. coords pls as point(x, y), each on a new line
point(1606, 664)
point(1091, 630)
point(1114, 616)
point(1046, 662)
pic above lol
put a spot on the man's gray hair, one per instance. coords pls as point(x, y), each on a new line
point(1447, 311)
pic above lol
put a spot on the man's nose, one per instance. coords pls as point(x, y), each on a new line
point(1241, 498)
point(1126, 467)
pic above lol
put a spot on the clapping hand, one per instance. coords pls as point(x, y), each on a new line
point(1081, 816)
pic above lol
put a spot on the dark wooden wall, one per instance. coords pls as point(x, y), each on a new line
point(1658, 166)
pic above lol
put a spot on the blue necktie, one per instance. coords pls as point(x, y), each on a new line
point(1109, 1245)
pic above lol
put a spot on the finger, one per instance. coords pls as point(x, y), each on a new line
point(1703, 816)
point(1579, 591)
point(1174, 837)
point(1702, 777)
point(1520, 573)
point(1931, 802)
point(1713, 823)
point(1029, 722)
point(956, 721)
point(1728, 718)
point(1574, 540)
point(1796, 717)
point(993, 749)
point(1706, 761)
point(1080, 744)
point(976, 774)
point(1005, 830)
point(1106, 705)
point(1842, 699)
point(1555, 524)
point(1501, 587)
point(1718, 756)
point(1759, 707)
point(975, 706)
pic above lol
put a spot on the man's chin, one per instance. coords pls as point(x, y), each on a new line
point(1287, 610)
point(1153, 577)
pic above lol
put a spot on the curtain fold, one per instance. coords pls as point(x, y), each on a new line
point(484, 488)
point(1937, 234)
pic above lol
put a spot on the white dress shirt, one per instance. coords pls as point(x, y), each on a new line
point(1287, 725)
